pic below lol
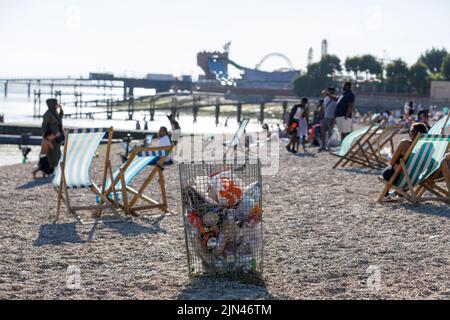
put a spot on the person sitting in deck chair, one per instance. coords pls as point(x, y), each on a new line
point(163, 141)
point(402, 149)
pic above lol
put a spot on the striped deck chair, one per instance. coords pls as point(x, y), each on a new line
point(73, 169)
point(440, 126)
point(148, 143)
point(233, 143)
point(118, 185)
point(370, 150)
point(352, 145)
point(424, 159)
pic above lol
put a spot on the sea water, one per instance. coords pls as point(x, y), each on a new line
point(18, 108)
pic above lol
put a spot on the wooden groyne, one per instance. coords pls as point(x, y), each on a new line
point(17, 130)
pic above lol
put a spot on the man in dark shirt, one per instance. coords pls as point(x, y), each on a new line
point(344, 110)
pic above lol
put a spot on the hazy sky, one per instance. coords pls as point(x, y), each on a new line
point(62, 37)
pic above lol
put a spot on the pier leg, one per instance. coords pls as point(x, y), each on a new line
point(6, 89)
point(130, 108)
point(39, 102)
point(239, 112)
point(109, 109)
point(29, 89)
point(217, 114)
point(174, 107)
point(261, 112)
point(285, 105)
point(152, 109)
point(34, 104)
point(195, 113)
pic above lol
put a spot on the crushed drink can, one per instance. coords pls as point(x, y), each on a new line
point(212, 243)
point(211, 218)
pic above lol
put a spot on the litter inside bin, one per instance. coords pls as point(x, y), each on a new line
point(223, 218)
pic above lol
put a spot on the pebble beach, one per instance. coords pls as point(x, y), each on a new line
point(324, 238)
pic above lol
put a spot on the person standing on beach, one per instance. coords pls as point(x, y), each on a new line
point(302, 129)
point(176, 129)
point(52, 121)
point(344, 109)
point(318, 113)
point(327, 123)
point(295, 115)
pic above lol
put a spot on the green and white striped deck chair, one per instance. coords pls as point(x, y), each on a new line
point(73, 170)
point(118, 185)
point(423, 159)
point(351, 146)
point(440, 126)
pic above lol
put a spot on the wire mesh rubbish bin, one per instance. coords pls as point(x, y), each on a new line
point(222, 214)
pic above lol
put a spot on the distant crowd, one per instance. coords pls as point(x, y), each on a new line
point(336, 113)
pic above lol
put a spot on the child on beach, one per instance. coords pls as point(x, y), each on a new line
point(46, 146)
point(298, 112)
point(302, 129)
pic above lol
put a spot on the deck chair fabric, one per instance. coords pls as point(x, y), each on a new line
point(81, 147)
point(132, 171)
point(148, 141)
point(351, 143)
point(118, 185)
point(237, 136)
point(424, 158)
point(73, 169)
point(440, 126)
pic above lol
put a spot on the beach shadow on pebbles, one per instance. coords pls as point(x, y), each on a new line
point(130, 228)
point(65, 233)
point(306, 155)
point(35, 183)
point(222, 288)
point(440, 210)
point(365, 171)
point(58, 234)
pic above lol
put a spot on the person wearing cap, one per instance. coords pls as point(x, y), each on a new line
point(327, 124)
point(52, 121)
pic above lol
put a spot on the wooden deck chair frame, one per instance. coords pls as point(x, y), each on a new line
point(415, 194)
point(63, 193)
point(129, 206)
point(353, 155)
point(369, 150)
point(431, 185)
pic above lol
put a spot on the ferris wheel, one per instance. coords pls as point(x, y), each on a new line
point(276, 55)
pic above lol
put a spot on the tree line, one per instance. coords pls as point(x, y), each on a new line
point(395, 76)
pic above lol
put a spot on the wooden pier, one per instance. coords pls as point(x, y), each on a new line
point(19, 130)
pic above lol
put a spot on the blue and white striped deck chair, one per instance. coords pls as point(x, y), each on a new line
point(73, 170)
point(118, 185)
point(423, 159)
point(148, 143)
point(440, 126)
